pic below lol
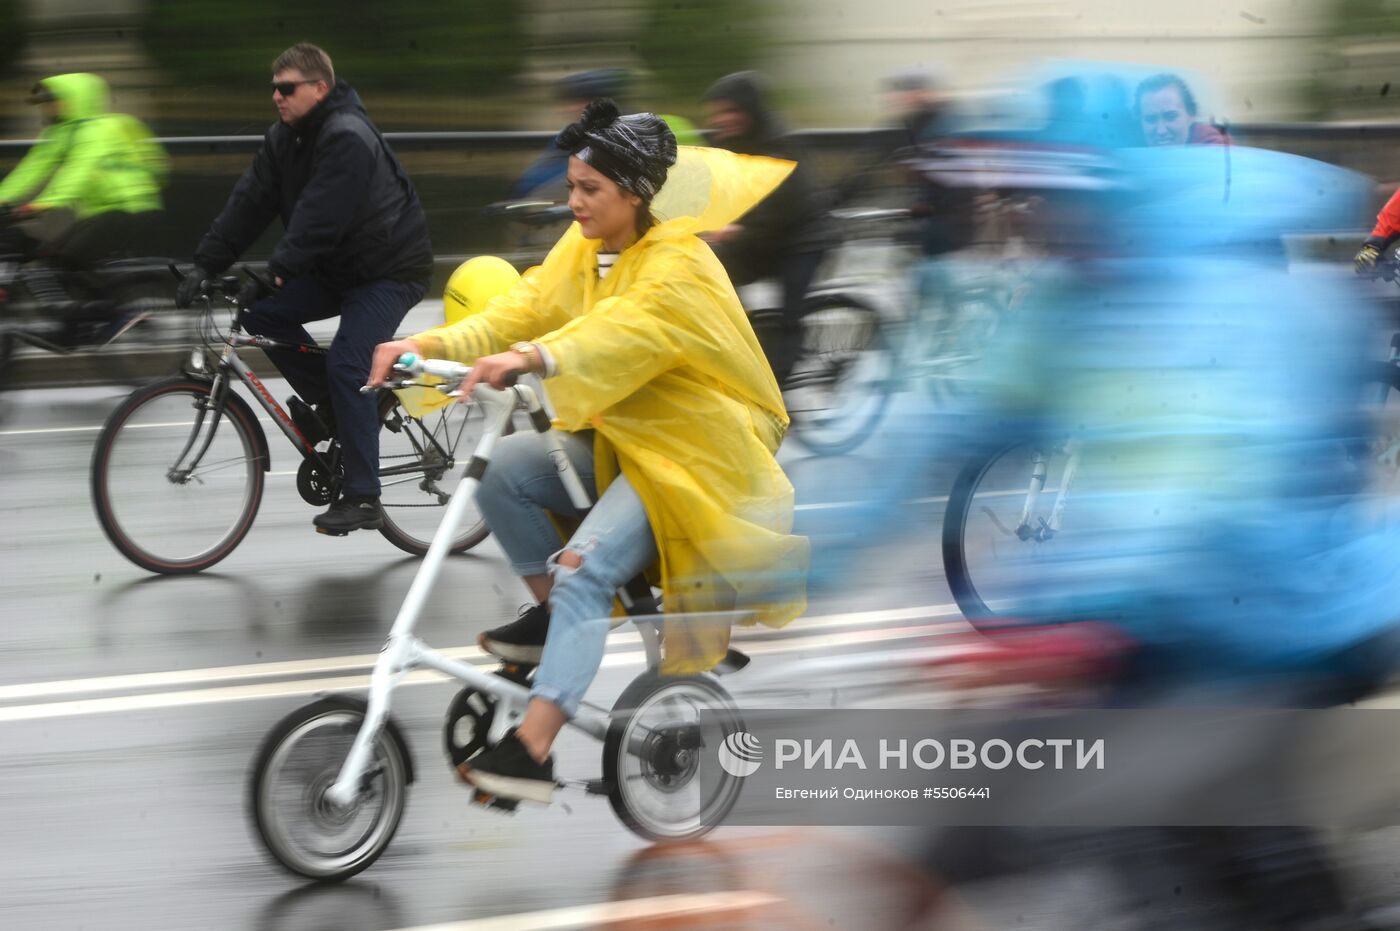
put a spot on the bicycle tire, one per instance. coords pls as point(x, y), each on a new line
point(638, 788)
point(955, 515)
point(864, 344)
point(116, 519)
point(391, 769)
point(448, 428)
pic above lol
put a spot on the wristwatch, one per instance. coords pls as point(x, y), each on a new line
point(531, 353)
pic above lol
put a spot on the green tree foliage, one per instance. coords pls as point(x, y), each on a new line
point(12, 33)
point(462, 47)
point(688, 44)
point(1359, 76)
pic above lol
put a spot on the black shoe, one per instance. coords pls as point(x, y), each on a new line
point(507, 771)
point(352, 512)
point(520, 641)
point(315, 423)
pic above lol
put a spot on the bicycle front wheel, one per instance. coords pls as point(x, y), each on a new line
point(175, 488)
point(420, 460)
point(299, 762)
point(1004, 530)
point(841, 383)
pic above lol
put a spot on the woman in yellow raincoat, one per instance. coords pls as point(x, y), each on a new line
point(672, 412)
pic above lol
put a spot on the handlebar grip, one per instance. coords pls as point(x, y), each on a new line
point(409, 362)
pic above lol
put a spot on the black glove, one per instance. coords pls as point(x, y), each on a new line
point(250, 292)
point(1370, 254)
point(191, 286)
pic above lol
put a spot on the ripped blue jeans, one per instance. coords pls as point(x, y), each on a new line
point(614, 540)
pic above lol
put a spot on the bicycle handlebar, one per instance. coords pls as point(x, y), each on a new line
point(451, 373)
point(530, 212)
point(1388, 270)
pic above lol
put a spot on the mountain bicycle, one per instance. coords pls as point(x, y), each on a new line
point(179, 468)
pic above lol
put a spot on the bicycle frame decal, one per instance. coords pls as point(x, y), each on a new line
point(269, 403)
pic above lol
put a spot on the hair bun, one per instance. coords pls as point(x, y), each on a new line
point(599, 114)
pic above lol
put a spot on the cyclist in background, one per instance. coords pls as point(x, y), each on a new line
point(92, 176)
point(1383, 236)
point(356, 246)
point(544, 179)
point(785, 236)
point(1167, 111)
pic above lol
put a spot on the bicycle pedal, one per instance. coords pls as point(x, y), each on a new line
point(519, 673)
point(487, 800)
point(333, 533)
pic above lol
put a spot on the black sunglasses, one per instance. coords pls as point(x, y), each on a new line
point(288, 88)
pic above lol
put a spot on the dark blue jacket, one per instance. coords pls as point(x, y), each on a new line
point(350, 212)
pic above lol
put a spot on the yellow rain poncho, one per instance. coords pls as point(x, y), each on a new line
point(660, 360)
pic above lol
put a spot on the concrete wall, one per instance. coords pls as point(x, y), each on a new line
point(1258, 53)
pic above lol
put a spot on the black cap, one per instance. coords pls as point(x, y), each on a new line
point(590, 85)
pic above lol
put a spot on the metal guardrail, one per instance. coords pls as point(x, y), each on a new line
point(510, 140)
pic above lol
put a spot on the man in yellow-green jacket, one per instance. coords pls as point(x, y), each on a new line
point(76, 193)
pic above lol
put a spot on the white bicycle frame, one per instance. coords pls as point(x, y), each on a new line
point(403, 652)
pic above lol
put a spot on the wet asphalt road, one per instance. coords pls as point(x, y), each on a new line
point(122, 802)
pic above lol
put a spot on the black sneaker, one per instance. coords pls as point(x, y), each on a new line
point(520, 641)
point(507, 771)
point(316, 423)
point(352, 512)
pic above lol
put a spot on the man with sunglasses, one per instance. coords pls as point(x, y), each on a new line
point(355, 246)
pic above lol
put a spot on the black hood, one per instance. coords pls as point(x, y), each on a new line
point(748, 91)
point(341, 97)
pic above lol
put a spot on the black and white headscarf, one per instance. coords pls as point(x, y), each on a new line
point(634, 150)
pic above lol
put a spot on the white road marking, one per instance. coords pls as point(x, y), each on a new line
point(467, 653)
point(38, 430)
point(286, 689)
point(664, 907)
point(184, 424)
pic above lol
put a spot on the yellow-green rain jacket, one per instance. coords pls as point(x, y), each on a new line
point(90, 161)
point(659, 358)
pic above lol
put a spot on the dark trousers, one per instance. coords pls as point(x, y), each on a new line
point(369, 315)
point(780, 334)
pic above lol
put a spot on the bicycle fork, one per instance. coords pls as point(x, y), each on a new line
point(1037, 529)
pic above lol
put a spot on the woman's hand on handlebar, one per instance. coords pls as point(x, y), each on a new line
point(385, 355)
point(498, 371)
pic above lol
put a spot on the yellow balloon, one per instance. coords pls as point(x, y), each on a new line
point(474, 283)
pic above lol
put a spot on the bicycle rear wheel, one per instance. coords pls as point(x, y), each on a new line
point(659, 757)
point(420, 465)
point(841, 383)
point(160, 512)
